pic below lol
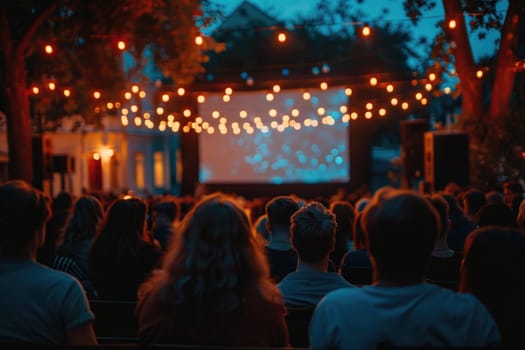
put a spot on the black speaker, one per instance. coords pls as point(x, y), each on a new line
point(64, 164)
point(446, 158)
point(42, 147)
point(412, 154)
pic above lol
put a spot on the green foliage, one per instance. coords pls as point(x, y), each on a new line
point(85, 34)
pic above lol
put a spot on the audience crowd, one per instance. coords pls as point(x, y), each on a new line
point(395, 268)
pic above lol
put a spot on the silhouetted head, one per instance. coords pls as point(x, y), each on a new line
point(442, 207)
point(24, 212)
point(493, 270)
point(496, 215)
point(125, 219)
point(401, 231)
point(214, 257)
point(279, 210)
point(473, 200)
point(313, 232)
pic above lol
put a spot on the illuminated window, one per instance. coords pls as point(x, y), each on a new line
point(139, 170)
point(158, 169)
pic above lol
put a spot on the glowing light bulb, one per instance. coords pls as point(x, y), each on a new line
point(281, 37)
point(36, 90)
point(52, 86)
point(135, 89)
point(121, 45)
point(96, 94)
point(199, 40)
point(390, 88)
point(432, 77)
point(181, 91)
point(269, 97)
point(452, 24)
point(306, 96)
point(201, 98)
point(165, 97)
point(276, 88)
point(228, 91)
point(365, 30)
point(67, 92)
point(373, 81)
point(324, 86)
point(479, 74)
point(348, 92)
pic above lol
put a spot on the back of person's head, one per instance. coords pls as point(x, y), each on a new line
point(493, 270)
point(442, 207)
point(261, 228)
point(23, 214)
point(168, 209)
point(401, 231)
point(455, 210)
point(279, 210)
point(359, 233)
point(495, 197)
point(213, 258)
point(521, 215)
point(496, 215)
point(452, 188)
point(83, 224)
point(361, 204)
point(62, 201)
point(473, 200)
point(313, 232)
point(344, 215)
point(124, 223)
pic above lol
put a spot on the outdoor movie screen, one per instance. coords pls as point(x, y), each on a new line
point(293, 136)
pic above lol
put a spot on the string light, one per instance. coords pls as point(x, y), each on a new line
point(67, 92)
point(390, 88)
point(35, 90)
point(382, 112)
point(201, 99)
point(373, 81)
point(269, 97)
point(142, 94)
point(48, 49)
point(276, 88)
point(127, 95)
point(228, 91)
point(365, 31)
point(479, 74)
point(181, 91)
point(281, 37)
point(348, 92)
point(135, 89)
point(404, 105)
point(323, 85)
point(432, 77)
point(52, 86)
point(165, 97)
point(96, 94)
point(226, 98)
point(452, 24)
point(394, 101)
point(306, 96)
point(121, 45)
point(199, 40)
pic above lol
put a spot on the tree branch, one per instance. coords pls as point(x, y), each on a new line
point(5, 34)
point(31, 31)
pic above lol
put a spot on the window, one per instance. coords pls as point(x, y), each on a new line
point(139, 170)
point(158, 169)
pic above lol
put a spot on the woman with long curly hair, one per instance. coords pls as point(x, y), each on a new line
point(81, 230)
point(214, 287)
point(122, 256)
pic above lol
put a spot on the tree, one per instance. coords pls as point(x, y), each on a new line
point(486, 113)
point(84, 35)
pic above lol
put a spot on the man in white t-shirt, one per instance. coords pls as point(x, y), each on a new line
point(399, 309)
point(37, 305)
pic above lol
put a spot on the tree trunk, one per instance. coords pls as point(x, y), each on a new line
point(470, 85)
point(18, 120)
point(505, 72)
